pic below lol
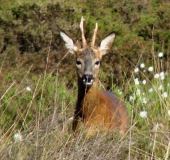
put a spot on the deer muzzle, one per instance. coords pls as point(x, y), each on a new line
point(88, 79)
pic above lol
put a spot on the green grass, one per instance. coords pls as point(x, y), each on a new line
point(43, 116)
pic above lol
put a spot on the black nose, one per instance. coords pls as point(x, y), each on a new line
point(87, 78)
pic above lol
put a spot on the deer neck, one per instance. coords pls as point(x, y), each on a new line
point(88, 96)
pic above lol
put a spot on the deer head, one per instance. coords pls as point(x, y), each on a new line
point(88, 57)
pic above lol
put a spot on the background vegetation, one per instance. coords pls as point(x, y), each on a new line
point(38, 80)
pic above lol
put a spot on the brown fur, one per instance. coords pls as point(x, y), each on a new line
point(100, 111)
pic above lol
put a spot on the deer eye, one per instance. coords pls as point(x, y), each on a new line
point(97, 62)
point(78, 63)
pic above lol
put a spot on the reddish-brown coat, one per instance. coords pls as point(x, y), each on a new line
point(100, 111)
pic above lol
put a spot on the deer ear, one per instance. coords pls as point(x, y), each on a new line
point(69, 43)
point(106, 43)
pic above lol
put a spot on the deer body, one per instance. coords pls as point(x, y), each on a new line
point(98, 110)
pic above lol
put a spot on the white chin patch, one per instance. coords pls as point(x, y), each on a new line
point(88, 83)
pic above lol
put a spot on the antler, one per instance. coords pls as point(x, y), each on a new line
point(82, 32)
point(94, 35)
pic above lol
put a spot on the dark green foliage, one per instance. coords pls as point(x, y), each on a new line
point(34, 28)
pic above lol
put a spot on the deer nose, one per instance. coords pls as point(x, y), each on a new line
point(87, 79)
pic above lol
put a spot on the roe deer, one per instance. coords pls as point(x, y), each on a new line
point(97, 110)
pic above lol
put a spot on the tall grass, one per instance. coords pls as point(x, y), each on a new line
point(37, 112)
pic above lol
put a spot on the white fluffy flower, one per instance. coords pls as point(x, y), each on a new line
point(160, 87)
point(28, 88)
point(131, 98)
point(18, 137)
point(143, 114)
point(156, 76)
point(162, 78)
point(144, 100)
point(162, 75)
point(142, 65)
point(150, 90)
point(136, 80)
point(138, 92)
point(136, 70)
point(160, 54)
point(165, 95)
point(144, 82)
point(150, 69)
point(169, 112)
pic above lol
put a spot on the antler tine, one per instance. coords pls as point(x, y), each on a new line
point(94, 35)
point(82, 32)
